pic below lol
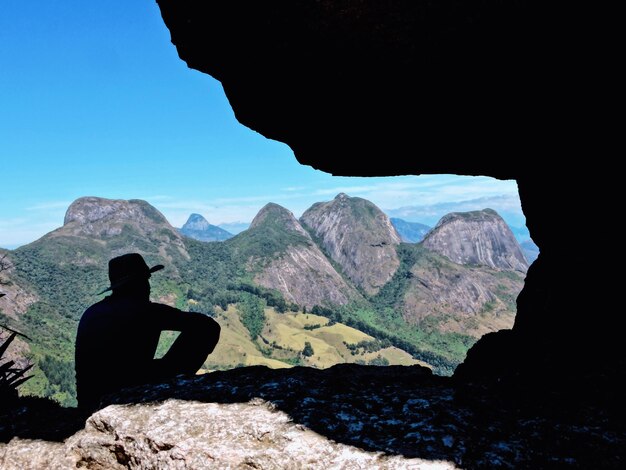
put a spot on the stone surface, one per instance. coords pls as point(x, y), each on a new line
point(190, 435)
point(468, 300)
point(89, 215)
point(357, 87)
point(27, 454)
point(347, 416)
point(305, 277)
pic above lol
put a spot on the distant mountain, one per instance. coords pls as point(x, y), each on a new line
point(110, 227)
point(530, 250)
point(507, 205)
point(521, 233)
point(358, 236)
point(198, 228)
point(235, 227)
point(282, 256)
point(410, 232)
point(477, 238)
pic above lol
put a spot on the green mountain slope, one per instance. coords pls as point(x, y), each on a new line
point(357, 236)
point(281, 255)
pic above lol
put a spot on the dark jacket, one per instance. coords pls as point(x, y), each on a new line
point(118, 337)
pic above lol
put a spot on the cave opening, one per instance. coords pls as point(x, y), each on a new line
point(334, 80)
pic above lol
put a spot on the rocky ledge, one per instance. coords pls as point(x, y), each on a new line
point(348, 416)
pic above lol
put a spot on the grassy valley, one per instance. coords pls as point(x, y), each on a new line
point(284, 338)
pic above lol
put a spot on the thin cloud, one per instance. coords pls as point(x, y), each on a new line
point(15, 233)
point(419, 198)
point(507, 205)
point(425, 191)
point(158, 197)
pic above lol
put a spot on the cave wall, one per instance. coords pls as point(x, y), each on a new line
point(381, 88)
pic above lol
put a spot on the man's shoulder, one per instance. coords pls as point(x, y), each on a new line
point(96, 314)
point(110, 305)
point(98, 306)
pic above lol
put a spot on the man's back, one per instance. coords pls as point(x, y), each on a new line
point(114, 341)
point(117, 339)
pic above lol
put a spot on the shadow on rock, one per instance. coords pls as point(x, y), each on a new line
point(394, 411)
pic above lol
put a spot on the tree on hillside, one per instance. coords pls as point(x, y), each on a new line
point(308, 349)
point(252, 314)
point(4, 266)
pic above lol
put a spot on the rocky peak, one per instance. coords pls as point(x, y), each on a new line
point(285, 258)
point(358, 236)
point(477, 238)
point(100, 217)
point(87, 210)
point(198, 228)
point(196, 222)
point(276, 215)
point(129, 224)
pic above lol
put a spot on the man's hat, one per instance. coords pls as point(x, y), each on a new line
point(126, 268)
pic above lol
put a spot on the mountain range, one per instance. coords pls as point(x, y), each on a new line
point(410, 232)
point(336, 285)
point(234, 227)
point(198, 228)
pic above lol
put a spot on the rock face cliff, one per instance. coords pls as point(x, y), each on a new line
point(477, 238)
point(100, 217)
point(358, 236)
point(283, 257)
point(471, 300)
point(198, 228)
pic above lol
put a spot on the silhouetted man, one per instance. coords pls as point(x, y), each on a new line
point(118, 336)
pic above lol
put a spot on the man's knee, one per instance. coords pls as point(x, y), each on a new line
point(212, 334)
point(206, 334)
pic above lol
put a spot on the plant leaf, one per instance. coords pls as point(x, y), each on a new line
point(6, 344)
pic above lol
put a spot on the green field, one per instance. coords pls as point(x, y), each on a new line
point(283, 339)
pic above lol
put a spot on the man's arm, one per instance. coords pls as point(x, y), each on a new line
point(199, 334)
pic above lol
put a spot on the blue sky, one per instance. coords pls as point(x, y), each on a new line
point(94, 101)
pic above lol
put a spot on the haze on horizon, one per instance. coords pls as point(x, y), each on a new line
point(99, 104)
